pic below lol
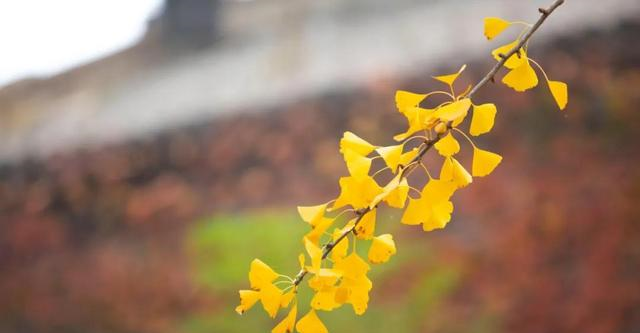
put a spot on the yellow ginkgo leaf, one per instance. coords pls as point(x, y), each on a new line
point(310, 323)
point(433, 209)
point(324, 278)
point(315, 253)
point(404, 135)
point(352, 267)
point(407, 157)
point(559, 92)
point(447, 146)
point(357, 282)
point(319, 230)
point(324, 299)
point(312, 214)
point(353, 142)
point(357, 164)
point(391, 156)
point(460, 175)
point(287, 324)
point(357, 192)
point(484, 162)
point(437, 190)
point(397, 197)
point(452, 170)
point(405, 99)
point(367, 225)
point(339, 251)
point(521, 78)
point(270, 297)
point(260, 274)
point(414, 214)
point(355, 290)
point(482, 119)
point(446, 172)
point(437, 193)
point(342, 294)
point(439, 217)
point(347, 227)
point(357, 293)
point(450, 78)
point(382, 248)
point(493, 26)
point(514, 60)
point(287, 298)
point(456, 122)
point(455, 110)
point(386, 191)
point(417, 119)
point(247, 299)
point(301, 260)
point(359, 299)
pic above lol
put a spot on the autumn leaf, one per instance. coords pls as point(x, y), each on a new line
point(483, 119)
point(493, 26)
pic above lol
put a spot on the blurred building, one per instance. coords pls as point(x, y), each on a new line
point(204, 58)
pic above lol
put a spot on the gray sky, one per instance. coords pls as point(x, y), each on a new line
point(44, 37)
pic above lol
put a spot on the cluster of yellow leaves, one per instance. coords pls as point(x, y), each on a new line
point(263, 289)
point(261, 278)
point(343, 279)
point(521, 75)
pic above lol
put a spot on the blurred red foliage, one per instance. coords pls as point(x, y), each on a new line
point(90, 240)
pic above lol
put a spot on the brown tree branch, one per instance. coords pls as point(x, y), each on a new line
point(427, 144)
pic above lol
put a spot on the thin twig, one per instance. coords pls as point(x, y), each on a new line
point(428, 143)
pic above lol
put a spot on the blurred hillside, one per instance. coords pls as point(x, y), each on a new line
point(154, 233)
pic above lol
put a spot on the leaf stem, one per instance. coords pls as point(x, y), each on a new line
point(379, 171)
point(540, 68)
point(426, 170)
point(466, 137)
point(415, 189)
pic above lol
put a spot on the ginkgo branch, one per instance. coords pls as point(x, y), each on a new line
point(429, 143)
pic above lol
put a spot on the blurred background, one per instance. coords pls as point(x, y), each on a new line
point(150, 149)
